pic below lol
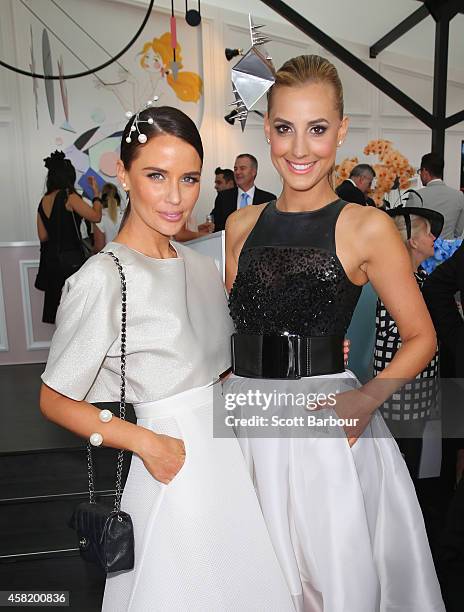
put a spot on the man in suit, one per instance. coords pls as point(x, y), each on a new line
point(244, 194)
point(438, 196)
point(357, 186)
point(224, 179)
point(439, 292)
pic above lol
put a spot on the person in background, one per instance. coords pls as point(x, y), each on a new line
point(355, 188)
point(440, 291)
point(244, 194)
point(438, 196)
point(106, 230)
point(224, 179)
point(192, 230)
point(407, 411)
point(58, 226)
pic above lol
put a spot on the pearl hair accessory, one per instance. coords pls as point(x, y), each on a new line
point(142, 138)
point(96, 439)
point(105, 416)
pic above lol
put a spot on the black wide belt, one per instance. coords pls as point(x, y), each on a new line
point(286, 355)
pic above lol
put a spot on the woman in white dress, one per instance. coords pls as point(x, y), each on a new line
point(339, 503)
point(107, 229)
point(201, 543)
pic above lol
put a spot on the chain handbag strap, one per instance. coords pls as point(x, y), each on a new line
point(122, 402)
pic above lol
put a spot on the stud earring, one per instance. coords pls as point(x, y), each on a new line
point(124, 185)
point(268, 140)
point(340, 142)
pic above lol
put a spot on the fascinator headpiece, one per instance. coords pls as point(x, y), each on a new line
point(253, 75)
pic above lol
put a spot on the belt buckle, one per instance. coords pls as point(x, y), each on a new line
point(293, 345)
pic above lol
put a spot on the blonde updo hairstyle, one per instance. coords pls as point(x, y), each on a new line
point(418, 225)
point(111, 200)
point(305, 69)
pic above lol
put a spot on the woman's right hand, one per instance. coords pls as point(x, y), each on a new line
point(163, 456)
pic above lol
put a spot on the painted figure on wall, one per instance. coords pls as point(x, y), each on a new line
point(157, 60)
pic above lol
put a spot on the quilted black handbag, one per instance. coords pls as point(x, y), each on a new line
point(106, 536)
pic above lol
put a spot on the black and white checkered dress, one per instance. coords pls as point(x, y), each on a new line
point(419, 398)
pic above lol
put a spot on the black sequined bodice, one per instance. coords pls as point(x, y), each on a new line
point(289, 277)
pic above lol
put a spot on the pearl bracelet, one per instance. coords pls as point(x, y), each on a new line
point(105, 416)
point(96, 439)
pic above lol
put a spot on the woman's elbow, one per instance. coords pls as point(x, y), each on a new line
point(46, 402)
point(433, 341)
point(429, 341)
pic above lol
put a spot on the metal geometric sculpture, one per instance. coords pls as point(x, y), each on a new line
point(253, 75)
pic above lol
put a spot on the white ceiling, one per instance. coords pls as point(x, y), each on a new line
point(365, 21)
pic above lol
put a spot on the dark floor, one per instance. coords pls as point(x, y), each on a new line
point(22, 426)
point(43, 476)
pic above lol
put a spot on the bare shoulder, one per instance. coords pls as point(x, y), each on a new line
point(74, 196)
point(242, 221)
point(367, 221)
point(74, 199)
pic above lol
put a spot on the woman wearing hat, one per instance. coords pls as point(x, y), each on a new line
point(407, 411)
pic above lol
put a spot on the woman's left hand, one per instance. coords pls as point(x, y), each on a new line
point(355, 407)
point(92, 181)
point(346, 350)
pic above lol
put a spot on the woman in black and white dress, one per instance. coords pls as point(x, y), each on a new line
point(337, 497)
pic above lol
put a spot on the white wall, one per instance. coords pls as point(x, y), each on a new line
point(372, 114)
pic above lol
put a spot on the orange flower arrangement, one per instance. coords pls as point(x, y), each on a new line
point(393, 165)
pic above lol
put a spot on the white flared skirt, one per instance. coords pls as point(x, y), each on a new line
point(345, 522)
point(201, 543)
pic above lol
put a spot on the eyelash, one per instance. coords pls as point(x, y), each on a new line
point(192, 179)
point(323, 129)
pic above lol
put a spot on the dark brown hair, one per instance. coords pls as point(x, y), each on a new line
point(434, 163)
point(166, 120)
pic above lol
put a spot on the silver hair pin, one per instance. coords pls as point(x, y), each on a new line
point(141, 137)
point(253, 75)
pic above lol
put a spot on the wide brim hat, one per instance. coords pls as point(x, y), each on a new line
point(435, 218)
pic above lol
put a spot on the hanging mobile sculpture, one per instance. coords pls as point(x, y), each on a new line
point(64, 98)
point(192, 16)
point(35, 82)
point(174, 64)
point(253, 75)
point(47, 68)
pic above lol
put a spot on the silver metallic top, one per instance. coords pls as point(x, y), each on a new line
point(178, 327)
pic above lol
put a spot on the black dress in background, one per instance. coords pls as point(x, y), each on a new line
point(62, 235)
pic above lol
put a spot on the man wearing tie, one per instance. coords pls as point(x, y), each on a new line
point(244, 194)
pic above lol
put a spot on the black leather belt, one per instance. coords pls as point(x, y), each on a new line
point(286, 355)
